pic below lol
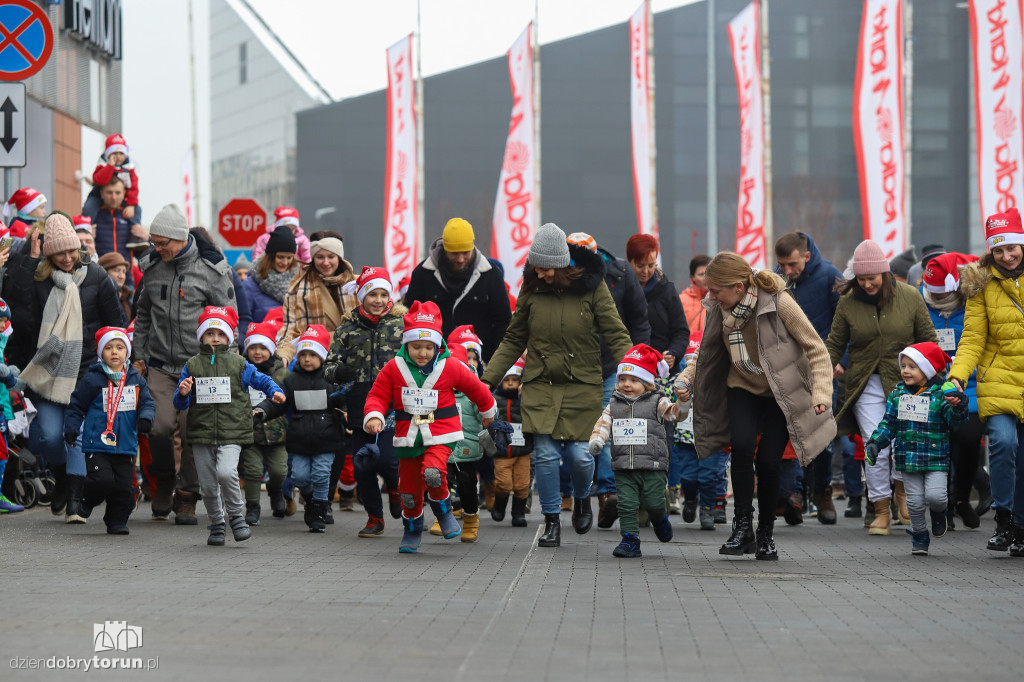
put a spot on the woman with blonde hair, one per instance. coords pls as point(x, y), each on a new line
point(762, 379)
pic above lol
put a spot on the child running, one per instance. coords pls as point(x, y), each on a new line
point(512, 459)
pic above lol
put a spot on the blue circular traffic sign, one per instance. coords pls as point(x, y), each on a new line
point(26, 39)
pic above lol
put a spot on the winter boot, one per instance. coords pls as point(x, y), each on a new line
point(519, 512)
point(672, 500)
point(662, 528)
point(489, 494)
point(76, 490)
point(184, 507)
point(470, 527)
point(308, 512)
point(607, 509)
point(240, 529)
point(1017, 541)
point(59, 498)
point(1000, 540)
point(765, 542)
point(252, 513)
point(498, 508)
point(707, 518)
point(443, 512)
point(938, 523)
point(899, 493)
point(967, 514)
point(566, 504)
point(216, 535)
point(328, 515)
point(880, 525)
point(629, 548)
point(919, 542)
point(869, 513)
point(853, 508)
point(319, 509)
point(826, 508)
point(552, 535)
point(277, 502)
point(412, 536)
point(582, 515)
point(435, 528)
point(8, 507)
point(719, 511)
point(689, 510)
point(374, 528)
point(742, 539)
point(793, 509)
point(394, 504)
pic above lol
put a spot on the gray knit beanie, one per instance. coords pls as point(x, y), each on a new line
point(549, 248)
point(170, 223)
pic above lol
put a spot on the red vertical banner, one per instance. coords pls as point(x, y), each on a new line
point(745, 43)
point(515, 215)
point(996, 40)
point(400, 247)
point(878, 124)
point(640, 119)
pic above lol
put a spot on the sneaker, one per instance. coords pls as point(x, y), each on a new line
point(374, 528)
point(662, 529)
point(939, 523)
point(252, 513)
point(689, 511)
point(793, 512)
point(395, 504)
point(240, 529)
point(719, 511)
point(919, 542)
point(117, 529)
point(8, 507)
point(707, 518)
point(629, 548)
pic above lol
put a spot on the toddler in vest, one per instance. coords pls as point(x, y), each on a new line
point(512, 449)
point(214, 388)
point(466, 456)
point(315, 430)
point(420, 381)
point(634, 424)
point(919, 419)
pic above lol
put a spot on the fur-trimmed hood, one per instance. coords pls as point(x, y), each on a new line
point(974, 277)
point(593, 272)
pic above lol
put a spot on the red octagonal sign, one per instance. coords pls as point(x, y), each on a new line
point(241, 222)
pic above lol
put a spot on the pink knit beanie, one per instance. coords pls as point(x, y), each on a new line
point(869, 259)
point(60, 235)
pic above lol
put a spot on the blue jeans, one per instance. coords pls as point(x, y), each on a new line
point(605, 481)
point(368, 468)
point(791, 478)
point(312, 474)
point(548, 453)
point(723, 474)
point(852, 481)
point(698, 477)
point(46, 438)
point(1006, 464)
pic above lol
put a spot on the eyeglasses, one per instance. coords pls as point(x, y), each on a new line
point(160, 245)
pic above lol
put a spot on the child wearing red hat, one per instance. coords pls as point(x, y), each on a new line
point(919, 418)
point(421, 382)
point(114, 162)
point(289, 217)
point(633, 422)
point(24, 209)
point(215, 384)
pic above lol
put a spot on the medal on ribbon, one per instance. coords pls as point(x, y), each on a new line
point(113, 402)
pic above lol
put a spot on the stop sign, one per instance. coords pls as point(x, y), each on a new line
point(241, 222)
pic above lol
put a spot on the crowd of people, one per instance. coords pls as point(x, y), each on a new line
point(140, 366)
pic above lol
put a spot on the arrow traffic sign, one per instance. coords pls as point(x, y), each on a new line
point(26, 39)
point(12, 110)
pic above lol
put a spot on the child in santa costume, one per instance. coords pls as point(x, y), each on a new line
point(421, 382)
point(634, 424)
point(114, 162)
point(919, 418)
point(214, 388)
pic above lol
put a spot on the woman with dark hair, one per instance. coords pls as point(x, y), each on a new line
point(669, 332)
point(877, 317)
point(271, 274)
point(563, 309)
point(62, 301)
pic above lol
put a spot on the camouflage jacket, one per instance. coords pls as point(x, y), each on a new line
point(270, 432)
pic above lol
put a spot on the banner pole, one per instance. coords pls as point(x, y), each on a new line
point(769, 238)
point(421, 233)
point(712, 131)
point(536, 116)
point(908, 110)
point(652, 118)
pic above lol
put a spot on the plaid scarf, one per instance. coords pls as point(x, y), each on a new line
point(733, 321)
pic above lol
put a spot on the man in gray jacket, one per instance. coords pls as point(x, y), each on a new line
point(178, 284)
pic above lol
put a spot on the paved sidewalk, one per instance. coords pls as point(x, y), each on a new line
point(839, 604)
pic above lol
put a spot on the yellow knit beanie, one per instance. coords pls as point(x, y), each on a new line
point(457, 236)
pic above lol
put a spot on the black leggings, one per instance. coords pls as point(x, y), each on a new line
point(965, 454)
point(749, 416)
point(465, 480)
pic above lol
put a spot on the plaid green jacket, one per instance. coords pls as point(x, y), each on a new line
point(920, 446)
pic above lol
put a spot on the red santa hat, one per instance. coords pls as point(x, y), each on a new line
point(108, 334)
point(275, 316)
point(368, 280)
point(693, 346)
point(423, 323)
point(286, 215)
point(316, 338)
point(82, 222)
point(262, 334)
point(222, 319)
point(942, 275)
point(461, 354)
point(1002, 229)
point(131, 330)
point(928, 357)
point(644, 363)
point(467, 338)
point(115, 143)
point(25, 200)
point(403, 286)
point(516, 370)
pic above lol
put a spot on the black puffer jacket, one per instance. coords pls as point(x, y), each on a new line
point(313, 427)
point(668, 320)
point(101, 307)
point(631, 303)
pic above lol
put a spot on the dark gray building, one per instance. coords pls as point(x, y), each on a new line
point(586, 163)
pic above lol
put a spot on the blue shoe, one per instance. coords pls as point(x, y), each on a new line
point(919, 541)
point(662, 528)
point(443, 511)
point(939, 523)
point(8, 507)
point(629, 548)
point(411, 538)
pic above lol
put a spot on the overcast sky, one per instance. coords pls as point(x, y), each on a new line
point(341, 43)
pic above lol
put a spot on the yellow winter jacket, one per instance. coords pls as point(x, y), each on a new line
point(993, 340)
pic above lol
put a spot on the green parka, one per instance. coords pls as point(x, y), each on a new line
point(560, 329)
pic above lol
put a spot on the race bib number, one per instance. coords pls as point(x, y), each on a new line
point(256, 396)
point(687, 423)
point(129, 398)
point(419, 401)
point(947, 340)
point(306, 401)
point(914, 408)
point(517, 439)
point(629, 431)
point(213, 390)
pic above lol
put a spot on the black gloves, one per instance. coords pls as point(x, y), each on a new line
point(144, 426)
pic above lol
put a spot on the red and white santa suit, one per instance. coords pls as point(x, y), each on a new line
point(424, 442)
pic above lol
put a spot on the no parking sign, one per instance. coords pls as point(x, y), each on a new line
point(26, 39)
